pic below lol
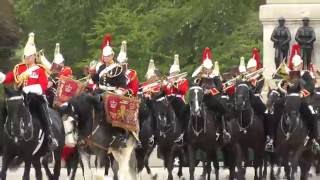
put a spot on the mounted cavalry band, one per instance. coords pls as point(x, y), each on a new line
point(109, 111)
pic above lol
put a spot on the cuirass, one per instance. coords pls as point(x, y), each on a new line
point(282, 34)
point(119, 81)
point(207, 83)
point(306, 33)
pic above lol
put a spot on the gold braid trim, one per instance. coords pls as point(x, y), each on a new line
point(18, 80)
point(48, 71)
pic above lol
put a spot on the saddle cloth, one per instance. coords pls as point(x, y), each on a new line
point(122, 111)
point(67, 88)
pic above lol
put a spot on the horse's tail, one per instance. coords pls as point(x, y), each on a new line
point(15, 163)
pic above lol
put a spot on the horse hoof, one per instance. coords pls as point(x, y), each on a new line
point(155, 177)
point(310, 175)
point(98, 177)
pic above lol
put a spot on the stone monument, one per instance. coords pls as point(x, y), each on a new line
point(293, 11)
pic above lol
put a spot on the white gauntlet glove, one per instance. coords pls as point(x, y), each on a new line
point(2, 77)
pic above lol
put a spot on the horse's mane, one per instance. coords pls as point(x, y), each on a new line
point(293, 102)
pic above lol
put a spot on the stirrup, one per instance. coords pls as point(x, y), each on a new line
point(179, 140)
point(53, 143)
point(118, 142)
point(269, 146)
point(226, 136)
point(315, 146)
point(151, 140)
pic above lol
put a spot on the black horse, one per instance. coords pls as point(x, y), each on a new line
point(96, 134)
point(291, 134)
point(315, 102)
point(202, 129)
point(146, 136)
point(168, 134)
point(248, 129)
point(24, 136)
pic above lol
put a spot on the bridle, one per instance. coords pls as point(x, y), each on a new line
point(7, 125)
point(197, 113)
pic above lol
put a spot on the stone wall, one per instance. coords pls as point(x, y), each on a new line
point(293, 11)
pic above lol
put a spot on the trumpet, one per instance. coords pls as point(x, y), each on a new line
point(150, 86)
point(246, 77)
point(175, 79)
point(253, 74)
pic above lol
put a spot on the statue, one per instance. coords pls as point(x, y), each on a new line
point(281, 38)
point(305, 37)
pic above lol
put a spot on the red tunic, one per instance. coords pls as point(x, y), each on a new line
point(132, 81)
point(179, 91)
point(37, 76)
point(66, 71)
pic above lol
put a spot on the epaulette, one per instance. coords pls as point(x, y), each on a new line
point(134, 76)
point(48, 71)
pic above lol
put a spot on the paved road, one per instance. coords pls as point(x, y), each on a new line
point(162, 174)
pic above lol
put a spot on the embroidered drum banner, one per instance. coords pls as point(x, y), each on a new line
point(67, 89)
point(122, 111)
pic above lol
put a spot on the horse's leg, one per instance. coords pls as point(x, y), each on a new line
point(239, 160)
point(74, 166)
point(170, 162)
point(191, 152)
point(57, 164)
point(208, 168)
point(318, 165)
point(216, 166)
point(287, 168)
point(6, 159)
point(37, 166)
point(305, 163)
point(107, 167)
point(45, 162)
point(123, 157)
point(259, 163)
point(27, 166)
point(255, 172)
point(100, 171)
point(272, 163)
point(115, 169)
point(204, 171)
point(85, 158)
point(265, 167)
point(180, 165)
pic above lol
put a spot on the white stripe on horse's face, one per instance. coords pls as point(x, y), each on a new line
point(197, 106)
point(15, 98)
point(275, 92)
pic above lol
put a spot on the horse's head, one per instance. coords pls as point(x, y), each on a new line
point(79, 114)
point(292, 106)
point(242, 97)
point(195, 100)
point(17, 111)
point(163, 113)
point(274, 97)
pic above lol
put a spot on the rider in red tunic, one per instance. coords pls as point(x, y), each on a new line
point(131, 75)
point(32, 78)
point(175, 88)
point(152, 85)
point(179, 86)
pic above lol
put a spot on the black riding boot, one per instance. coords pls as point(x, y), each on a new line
point(269, 132)
point(225, 134)
point(309, 115)
point(120, 137)
point(47, 122)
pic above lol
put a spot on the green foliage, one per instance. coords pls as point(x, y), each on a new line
point(155, 29)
